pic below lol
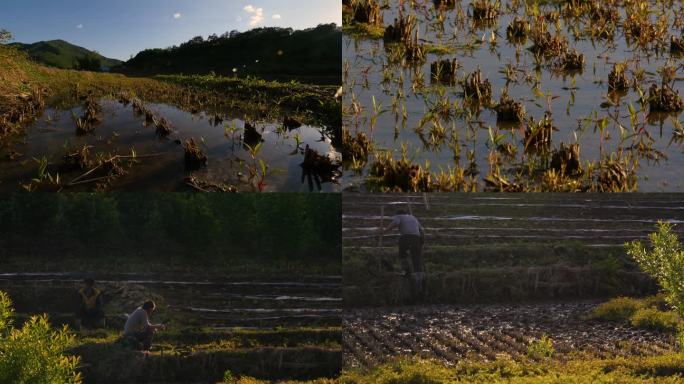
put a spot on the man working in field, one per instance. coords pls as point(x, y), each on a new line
point(138, 328)
point(411, 239)
point(91, 312)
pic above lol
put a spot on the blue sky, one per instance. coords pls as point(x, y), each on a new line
point(121, 28)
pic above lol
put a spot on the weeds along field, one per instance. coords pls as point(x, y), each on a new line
point(266, 329)
point(64, 130)
point(512, 96)
point(519, 277)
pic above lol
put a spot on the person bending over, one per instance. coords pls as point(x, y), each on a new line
point(138, 327)
point(411, 239)
point(91, 312)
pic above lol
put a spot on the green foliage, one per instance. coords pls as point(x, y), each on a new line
point(664, 261)
point(263, 52)
point(666, 368)
point(34, 354)
point(265, 230)
point(540, 348)
point(653, 319)
point(89, 62)
point(5, 36)
point(618, 309)
point(61, 54)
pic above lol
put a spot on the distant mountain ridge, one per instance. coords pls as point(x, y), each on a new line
point(62, 54)
point(273, 53)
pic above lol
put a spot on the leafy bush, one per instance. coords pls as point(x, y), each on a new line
point(664, 260)
point(34, 354)
point(5, 36)
point(652, 318)
point(618, 309)
point(540, 348)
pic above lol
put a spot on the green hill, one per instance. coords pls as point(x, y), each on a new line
point(312, 55)
point(61, 54)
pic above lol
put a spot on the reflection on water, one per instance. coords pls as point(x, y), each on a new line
point(575, 98)
point(160, 165)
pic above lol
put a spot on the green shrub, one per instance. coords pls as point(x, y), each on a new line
point(653, 319)
point(34, 354)
point(618, 309)
point(664, 261)
point(540, 348)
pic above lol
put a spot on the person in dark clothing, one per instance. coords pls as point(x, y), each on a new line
point(91, 312)
point(411, 240)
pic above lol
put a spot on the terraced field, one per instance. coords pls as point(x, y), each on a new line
point(261, 328)
point(502, 271)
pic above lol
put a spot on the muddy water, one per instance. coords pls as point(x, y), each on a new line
point(121, 131)
point(571, 97)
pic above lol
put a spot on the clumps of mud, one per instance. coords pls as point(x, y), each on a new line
point(207, 186)
point(251, 136)
point(617, 78)
point(445, 71)
point(509, 110)
point(570, 61)
point(617, 173)
point(518, 29)
point(484, 10)
point(664, 99)
point(17, 110)
point(401, 30)
point(477, 89)
point(401, 175)
point(566, 159)
point(355, 147)
point(538, 134)
point(365, 11)
point(90, 118)
point(194, 157)
point(319, 168)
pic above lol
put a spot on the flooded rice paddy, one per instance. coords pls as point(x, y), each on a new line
point(592, 95)
point(125, 150)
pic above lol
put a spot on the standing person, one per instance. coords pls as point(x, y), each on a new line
point(138, 327)
point(411, 239)
point(91, 312)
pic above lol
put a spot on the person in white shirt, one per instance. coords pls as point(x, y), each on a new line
point(411, 236)
point(139, 328)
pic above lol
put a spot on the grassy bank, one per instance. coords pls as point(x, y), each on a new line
point(27, 87)
point(667, 368)
point(495, 273)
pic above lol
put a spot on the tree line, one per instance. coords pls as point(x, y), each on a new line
point(259, 52)
point(273, 226)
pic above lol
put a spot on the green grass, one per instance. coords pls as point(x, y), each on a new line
point(60, 54)
point(22, 79)
point(618, 309)
point(648, 313)
point(667, 368)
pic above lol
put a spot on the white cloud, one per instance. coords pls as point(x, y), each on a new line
point(276, 17)
point(257, 14)
point(80, 26)
point(239, 19)
point(177, 15)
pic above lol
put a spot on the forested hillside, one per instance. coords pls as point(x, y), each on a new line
point(273, 53)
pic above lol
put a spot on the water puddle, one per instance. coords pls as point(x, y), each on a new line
point(160, 163)
point(395, 104)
